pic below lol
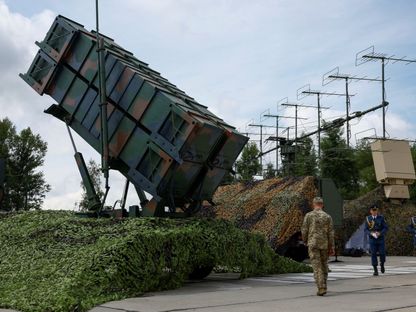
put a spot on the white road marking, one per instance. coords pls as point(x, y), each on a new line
point(338, 272)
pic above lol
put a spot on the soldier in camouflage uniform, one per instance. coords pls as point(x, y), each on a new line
point(318, 235)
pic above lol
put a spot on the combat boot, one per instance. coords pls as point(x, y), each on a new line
point(382, 268)
point(321, 292)
point(375, 270)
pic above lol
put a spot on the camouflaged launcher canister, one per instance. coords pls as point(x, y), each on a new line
point(160, 138)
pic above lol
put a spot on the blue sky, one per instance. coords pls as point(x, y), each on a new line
point(237, 57)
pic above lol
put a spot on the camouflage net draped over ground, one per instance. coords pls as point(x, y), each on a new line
point(55, 261)
point(398, 241)
point(272, 207)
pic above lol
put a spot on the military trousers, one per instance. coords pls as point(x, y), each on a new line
point(319, 262)
point(377, 246)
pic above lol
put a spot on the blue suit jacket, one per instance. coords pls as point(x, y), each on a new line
point(411, 228)
point(376, 225)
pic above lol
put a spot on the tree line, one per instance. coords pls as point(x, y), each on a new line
point(351, 168)
point(23, 153)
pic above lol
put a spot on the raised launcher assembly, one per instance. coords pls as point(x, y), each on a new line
point(394, 167)
point(162, 140)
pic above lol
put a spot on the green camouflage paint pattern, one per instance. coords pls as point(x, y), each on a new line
point(160, 138)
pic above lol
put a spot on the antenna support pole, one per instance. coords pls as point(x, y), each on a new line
point(103, 105)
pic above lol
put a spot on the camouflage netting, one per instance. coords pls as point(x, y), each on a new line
point(273, 207)
point(398, 241)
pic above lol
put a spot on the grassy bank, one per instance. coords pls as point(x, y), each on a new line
point(55, 261)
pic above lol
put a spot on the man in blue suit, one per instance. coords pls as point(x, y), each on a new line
point(411, 228)
point(376, 228)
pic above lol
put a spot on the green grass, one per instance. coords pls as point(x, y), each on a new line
point(55, 261)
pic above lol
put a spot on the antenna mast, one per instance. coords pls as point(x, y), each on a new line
point(368, 55)
point(103, 105)
point(303, 92)
point(335, 75)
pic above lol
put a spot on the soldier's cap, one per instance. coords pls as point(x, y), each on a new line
point(374, 208)
point(318, 200)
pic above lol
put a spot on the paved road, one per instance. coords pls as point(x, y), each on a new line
point(351, 288)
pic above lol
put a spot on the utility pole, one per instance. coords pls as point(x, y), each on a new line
point(369, 54)
point(335, 75)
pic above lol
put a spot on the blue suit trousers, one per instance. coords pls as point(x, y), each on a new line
point(377, 246)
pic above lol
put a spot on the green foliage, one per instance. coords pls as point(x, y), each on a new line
point(24, 152)
point(248, 165)
point(338, 163)
point(229, 178)
point(55, 261)
point(96, 177)
point(270, 171)
point(364, 162)
point(306, 159)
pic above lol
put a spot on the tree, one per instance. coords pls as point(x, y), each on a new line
point(338, 163)
point(306, 158)
point(7, 133)
point(96, 178)
point(248, 165)
point(270, 171)
point(366, 173)
point(24, 153)
point(228, 178)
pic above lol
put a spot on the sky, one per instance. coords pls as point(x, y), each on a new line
point(237, 57)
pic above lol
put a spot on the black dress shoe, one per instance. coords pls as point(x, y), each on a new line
point(382, 269)
point(375, 271)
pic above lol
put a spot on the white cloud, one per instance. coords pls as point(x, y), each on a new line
point(238, 57)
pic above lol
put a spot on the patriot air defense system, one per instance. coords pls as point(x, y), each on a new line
point(164, 142)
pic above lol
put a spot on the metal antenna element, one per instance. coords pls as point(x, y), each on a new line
point(263, 115)
point(277, 117)
point(333, 75)
point(296, 105)
point(303, 92)
point(365, 131)
point(368, 55)
point(103, 105)
point(339, 122)
point(261, 139)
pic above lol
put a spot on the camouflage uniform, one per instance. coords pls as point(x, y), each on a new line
point(318, 234)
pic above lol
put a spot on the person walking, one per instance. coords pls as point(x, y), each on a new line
point(318, 235)
point(411, 228)
point(376, 229)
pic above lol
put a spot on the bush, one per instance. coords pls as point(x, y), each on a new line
point(55, 261)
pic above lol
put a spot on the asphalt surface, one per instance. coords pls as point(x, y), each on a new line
point(351, 287)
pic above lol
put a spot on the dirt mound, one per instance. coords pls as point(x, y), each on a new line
point(397, 214)
point(273, 207)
